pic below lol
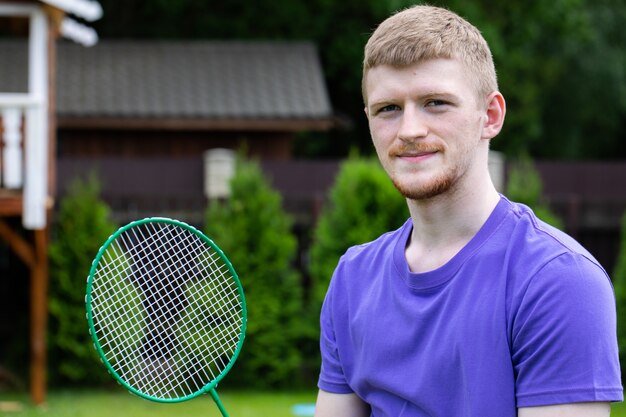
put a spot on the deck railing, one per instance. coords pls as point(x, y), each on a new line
point(24, 117)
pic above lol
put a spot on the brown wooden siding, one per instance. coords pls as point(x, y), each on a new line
point(171, 144)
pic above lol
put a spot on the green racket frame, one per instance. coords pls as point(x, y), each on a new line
point(210, 387)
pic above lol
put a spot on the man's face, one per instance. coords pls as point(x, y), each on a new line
point(426, 125)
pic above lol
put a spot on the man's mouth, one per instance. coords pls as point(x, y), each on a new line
point(416, 154)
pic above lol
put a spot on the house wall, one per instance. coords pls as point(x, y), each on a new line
point(77, 143)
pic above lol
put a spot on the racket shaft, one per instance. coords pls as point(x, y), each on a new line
point(218, 402)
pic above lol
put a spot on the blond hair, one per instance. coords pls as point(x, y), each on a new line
point(421, 33)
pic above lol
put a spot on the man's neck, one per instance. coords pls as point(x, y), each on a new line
point(443, 225)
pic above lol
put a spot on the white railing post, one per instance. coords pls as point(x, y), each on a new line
point(36, 166)
point(12, 149)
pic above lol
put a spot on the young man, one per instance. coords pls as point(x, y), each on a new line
point(474, 307)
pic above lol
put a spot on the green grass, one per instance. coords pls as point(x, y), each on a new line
point(119, 403)
point(618, 410)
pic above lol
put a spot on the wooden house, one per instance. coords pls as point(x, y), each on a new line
point(141, 99)
point(127, 108)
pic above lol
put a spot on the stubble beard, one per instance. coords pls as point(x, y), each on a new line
point(439, 183)
point(433, 188)
point(426, 188)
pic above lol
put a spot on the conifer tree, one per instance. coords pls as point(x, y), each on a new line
point(255, 233)
point(83, 224)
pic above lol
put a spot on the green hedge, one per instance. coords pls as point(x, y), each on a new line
point(363, 204)
point(81, 227)
point(255, 234)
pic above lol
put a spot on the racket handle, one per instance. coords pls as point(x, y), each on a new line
point(218, 402)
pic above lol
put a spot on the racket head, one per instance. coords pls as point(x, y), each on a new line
point(207, 326)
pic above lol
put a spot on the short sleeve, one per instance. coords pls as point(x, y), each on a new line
point(332, 378)
point(564, 342)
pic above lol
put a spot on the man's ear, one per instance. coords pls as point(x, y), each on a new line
point(496, 110)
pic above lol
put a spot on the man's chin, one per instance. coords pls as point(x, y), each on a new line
point(423, 191)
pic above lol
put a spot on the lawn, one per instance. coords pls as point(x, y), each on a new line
point(121, 404)
point(618, 410)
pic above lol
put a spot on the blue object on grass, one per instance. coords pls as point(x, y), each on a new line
point(303, 409)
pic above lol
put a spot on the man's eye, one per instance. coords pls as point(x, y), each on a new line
point(391, 107)
point(436, 103)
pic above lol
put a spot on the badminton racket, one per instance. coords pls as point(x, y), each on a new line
point(166, 310)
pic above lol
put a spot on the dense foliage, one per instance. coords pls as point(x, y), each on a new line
point(82, 226)
point(561, 63)
point(363, 204)
point(255, 234)
point(619, 282)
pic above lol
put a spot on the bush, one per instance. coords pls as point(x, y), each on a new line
point(82, 226)
point(619, 283)
point(255, 234)
point(363, 204)
point(524, 186)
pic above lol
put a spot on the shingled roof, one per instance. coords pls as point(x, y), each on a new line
point(183, 80)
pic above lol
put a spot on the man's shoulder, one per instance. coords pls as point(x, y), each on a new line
point(539, 241)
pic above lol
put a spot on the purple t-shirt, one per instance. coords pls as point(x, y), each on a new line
point(521, 316)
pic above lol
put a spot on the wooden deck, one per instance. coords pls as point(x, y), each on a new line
point(11, 203)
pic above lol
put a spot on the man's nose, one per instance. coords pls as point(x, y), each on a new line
point(413, 125)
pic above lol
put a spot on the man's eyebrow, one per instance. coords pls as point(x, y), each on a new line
point(428, 94)
point(438, 94)
point(382, 101)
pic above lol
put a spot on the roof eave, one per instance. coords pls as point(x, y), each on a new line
point(215, 124)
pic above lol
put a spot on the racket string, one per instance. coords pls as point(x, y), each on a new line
point(203, 329)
